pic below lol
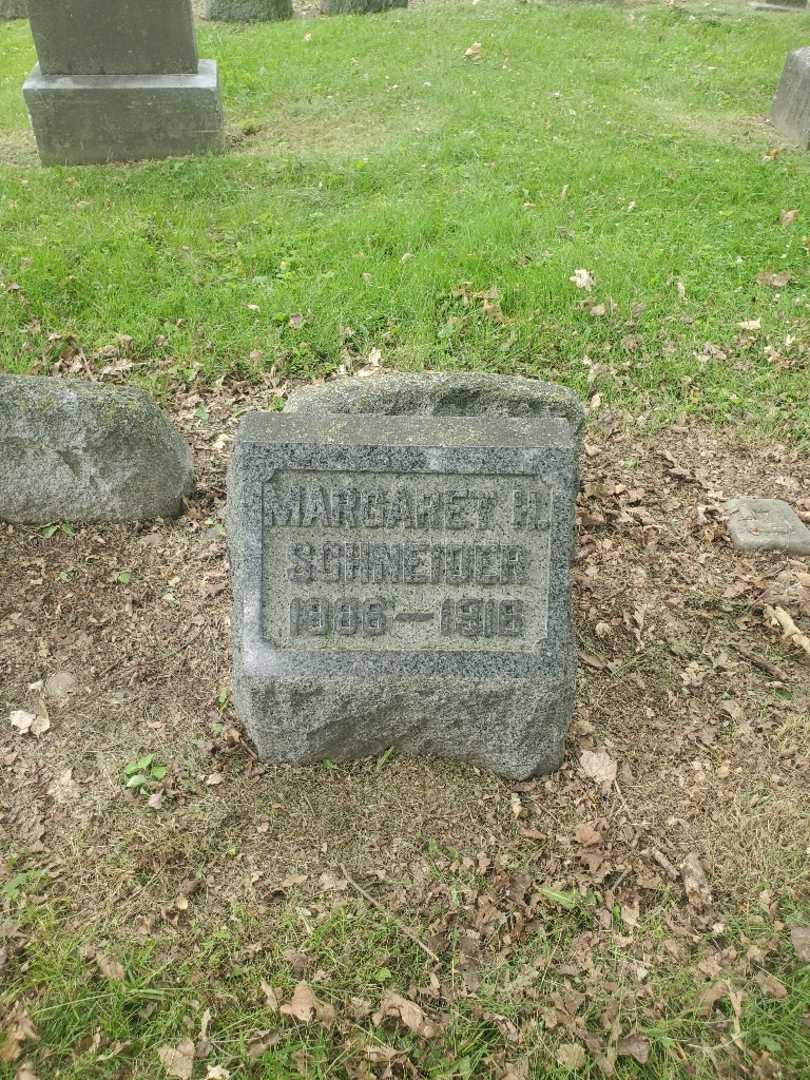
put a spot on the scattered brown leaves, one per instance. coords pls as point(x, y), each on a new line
point(18, 1030)
point(178, 1061)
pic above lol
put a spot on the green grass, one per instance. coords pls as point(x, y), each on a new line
point(374, 171)
point(89, 1025)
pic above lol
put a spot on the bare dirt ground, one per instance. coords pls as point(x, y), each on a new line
point(701, 704)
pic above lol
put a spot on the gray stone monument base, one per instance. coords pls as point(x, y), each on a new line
point(247, 10)
point(13, 9)
point(790, 112)
point(96, 119)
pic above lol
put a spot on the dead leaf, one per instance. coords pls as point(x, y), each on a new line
point(61, 684)
point(694, 881)
point(64, 788)
point(259, 1042)
point(474, 52)
point(709, 997)
point(178, 1061)
point(29, 723)
point(587, 835)
point(217, 1072)
point(598, 765)
point(110, 969)
point(800, 939)
point(635, 1046)
point(304, 1006)
point(408, 1012)
point(787, 217)
point(571, 1056)
point(583, 279)
point(25, 1073)
point(771, 986)
point(214, 778)
point(750, 324)
point(296, 321)
point(272, 995)
point(17, 1030)
point(776, 281)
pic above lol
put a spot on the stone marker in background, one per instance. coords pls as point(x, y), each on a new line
point(766, 525)
point(247, 10)
point(402, 578)
point(120, 81)
point(778, 5)
point(77, 451)
point(13, 9)
point(790, 112)
point(359, 7)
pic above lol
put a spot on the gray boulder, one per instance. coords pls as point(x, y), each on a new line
point(77, 451)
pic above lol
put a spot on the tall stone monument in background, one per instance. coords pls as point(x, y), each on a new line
point(790, 112)
point(119, 80)
point(401, 550)
point(13, 9)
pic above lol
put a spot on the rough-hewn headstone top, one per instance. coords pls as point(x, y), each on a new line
point(441, 394)
point(76, 451)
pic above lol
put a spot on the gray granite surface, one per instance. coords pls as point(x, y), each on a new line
point(403, 580)
point(77, 451)
point(766, 524)
point(114, 37)
point(90, 120)
point(247, 10)
point(790, 112)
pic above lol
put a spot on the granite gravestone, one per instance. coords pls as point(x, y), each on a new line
point(403, 579)
point(119, 81)
point(247, 10)
point(359, 7)
point(790, 112)
point(13, 9)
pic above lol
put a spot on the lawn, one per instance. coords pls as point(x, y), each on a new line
point(169, 906)
point(381, 186)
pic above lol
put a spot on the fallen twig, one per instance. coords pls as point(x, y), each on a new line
point(381, 907)
point(759, 662)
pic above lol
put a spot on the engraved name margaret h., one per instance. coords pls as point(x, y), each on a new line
point(307, 505)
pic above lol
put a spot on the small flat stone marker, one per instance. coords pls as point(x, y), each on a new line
point(790, 112)
point(403, 580)
point(766, 525)
point(120, 81)
point(77, 451)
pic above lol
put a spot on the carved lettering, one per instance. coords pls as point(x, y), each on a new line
point(356, 560)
